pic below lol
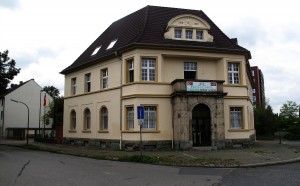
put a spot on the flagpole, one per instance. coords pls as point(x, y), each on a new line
point(44, 112)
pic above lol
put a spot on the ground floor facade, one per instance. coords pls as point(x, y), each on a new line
point(181, 120)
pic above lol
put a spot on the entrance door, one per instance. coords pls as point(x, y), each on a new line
point(201, 127)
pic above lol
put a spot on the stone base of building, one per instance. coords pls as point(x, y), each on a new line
point(158, 145)
point(115, 144)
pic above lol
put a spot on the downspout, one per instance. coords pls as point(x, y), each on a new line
point(121, 101)
point(172, 109)
point(2, 131)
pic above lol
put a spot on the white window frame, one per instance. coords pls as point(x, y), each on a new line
point(130, 70)
point(104, 73)
point(130, 117)
point(88, 86)
point(103, 118)
point(73, 82)
point(148, 69)
point(87, 119)
point(189, 34)
point(199, 34)
point(177, 33)
point(150, 123)
point(233, 73)
point(236, 117)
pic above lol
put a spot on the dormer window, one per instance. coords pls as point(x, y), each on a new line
point(96, 50)
point(188, 27)
point(112, 44)
point(189, 34)
point(177, 33)
point(199, 35)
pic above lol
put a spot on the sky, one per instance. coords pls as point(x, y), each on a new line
point(46, 36)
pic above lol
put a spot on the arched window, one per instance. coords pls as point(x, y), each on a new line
point(103, 118)
point(87, 119)
point(73, 120)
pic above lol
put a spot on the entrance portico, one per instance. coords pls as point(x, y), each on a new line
point(198, 116)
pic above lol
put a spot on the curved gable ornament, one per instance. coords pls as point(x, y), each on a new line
point(188, 22)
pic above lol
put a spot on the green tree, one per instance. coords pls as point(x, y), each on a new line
point(7, 70)
point(52, 91)
point(264, 121)
point(288, 114)
point(55, 109)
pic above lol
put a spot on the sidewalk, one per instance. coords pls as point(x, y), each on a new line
point(260, 154)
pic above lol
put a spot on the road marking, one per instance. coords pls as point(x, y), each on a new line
point(189, 155)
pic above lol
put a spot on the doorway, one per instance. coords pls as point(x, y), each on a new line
point(201, 126)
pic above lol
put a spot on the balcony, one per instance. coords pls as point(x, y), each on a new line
point(198, 88)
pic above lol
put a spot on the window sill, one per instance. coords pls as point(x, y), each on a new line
point(103, 131)
point(143, 131)
point(72, 131)
point(86, 131)
point(238, 130)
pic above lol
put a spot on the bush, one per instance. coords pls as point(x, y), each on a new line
point(291, 136)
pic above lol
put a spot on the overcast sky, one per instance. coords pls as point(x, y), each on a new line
point(45, 36)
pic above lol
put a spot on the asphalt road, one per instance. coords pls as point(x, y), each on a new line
point(25, 167)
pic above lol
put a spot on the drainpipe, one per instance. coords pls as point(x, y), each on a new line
point(121, 101)
point(2, 131)
point(172, 109)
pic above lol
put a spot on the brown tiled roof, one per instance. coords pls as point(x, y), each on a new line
point(146, 28)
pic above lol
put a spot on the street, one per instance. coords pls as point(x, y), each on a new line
point(26, 167)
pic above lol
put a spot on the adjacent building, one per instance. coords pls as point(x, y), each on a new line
point(258, 91)
point(193, 82)
point(14, 116)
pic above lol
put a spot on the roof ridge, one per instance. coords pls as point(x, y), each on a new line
point(145, 23)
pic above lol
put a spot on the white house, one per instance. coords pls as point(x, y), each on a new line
point(14, 115)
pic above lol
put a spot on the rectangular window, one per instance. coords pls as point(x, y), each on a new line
point(73, 86)
point(233, 73)
point(148, 69)
point(189, 34)
point(130, 67)
point(149, 117)
point(104, 73)
point(88, 82)
point(253, 90)
point(236, 117)
point(252, 73)
point(254, 98)
point(190, 69)
point(199, 35)
point(130, 117)
point(177, 33)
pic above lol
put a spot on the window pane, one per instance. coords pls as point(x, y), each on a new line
point(188, 34)
point(149, 118)
point(87, 119)
point(236, 117)
point(73, 120)
point(104, 118)
point(177, 33)
point(199, 35)
point(130, 117)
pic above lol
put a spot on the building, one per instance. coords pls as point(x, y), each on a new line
point(193, 81)
point(258, 91)
point(14, 116)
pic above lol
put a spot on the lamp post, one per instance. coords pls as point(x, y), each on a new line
point(27, 117)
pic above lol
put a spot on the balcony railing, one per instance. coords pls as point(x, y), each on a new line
point(198, 87)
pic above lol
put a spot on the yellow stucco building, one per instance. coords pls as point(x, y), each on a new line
point(192, 80)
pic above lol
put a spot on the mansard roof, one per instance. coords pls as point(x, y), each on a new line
point(145, 28)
